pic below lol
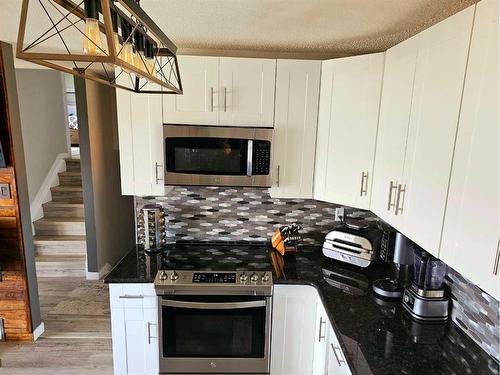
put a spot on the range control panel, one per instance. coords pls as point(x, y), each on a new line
point(214, 277)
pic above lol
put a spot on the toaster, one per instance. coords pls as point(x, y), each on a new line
point(355, 246)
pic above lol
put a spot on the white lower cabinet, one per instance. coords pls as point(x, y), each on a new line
point(302, 338)
point(134, 325)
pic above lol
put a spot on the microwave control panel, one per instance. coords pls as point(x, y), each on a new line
point(261, 157)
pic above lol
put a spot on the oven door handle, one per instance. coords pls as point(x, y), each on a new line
point(250, 157)
point(213, 306)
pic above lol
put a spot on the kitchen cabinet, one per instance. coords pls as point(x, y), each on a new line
point(247, 92)
point(436, 98)
point(293, 322)
point(395, 106)
point(347, 129)
point(322, 328)
point(336, 363)
point(223, 91)
point(294, 140)
point(199, 103)
point(302, 336)
point(134, 325)
point(140, 134)
point(470, 238)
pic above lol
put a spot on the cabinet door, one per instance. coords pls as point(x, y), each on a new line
point(199, 102)
point(134, 325)
point(292, 338)
point(320, 340)
point(356, 84)
point(147, 136)
point(296, 116)
point(246, 92)
point(395, 105)
point(125, 140)
point(336, 361)
point(471, 224)
point(437, 93)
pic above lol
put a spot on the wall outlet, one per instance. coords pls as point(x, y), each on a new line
point(340, 214)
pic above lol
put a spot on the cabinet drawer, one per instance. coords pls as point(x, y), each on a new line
point(132, 296)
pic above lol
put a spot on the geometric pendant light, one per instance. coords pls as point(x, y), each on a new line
point(113, 42)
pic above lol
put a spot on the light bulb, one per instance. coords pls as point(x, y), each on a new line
point(139, 61)
point(92, 42)
point(127, 53)
point(116, 42)
point(150, 64)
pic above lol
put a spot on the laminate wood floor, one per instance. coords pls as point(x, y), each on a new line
point(72, 343)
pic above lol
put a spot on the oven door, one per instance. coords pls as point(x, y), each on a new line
point(214, 334)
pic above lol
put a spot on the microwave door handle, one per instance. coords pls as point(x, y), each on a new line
point(213, 306)
point(250, 157)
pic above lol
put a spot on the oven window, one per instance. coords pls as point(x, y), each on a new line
point(215, 333)
point(215, 156)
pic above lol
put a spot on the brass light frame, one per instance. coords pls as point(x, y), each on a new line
point(167, 69)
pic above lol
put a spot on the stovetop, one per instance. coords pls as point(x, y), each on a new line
point(216, 256)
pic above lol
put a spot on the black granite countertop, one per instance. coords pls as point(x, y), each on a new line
point(377, 336)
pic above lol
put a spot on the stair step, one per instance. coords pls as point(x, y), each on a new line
point(60, 245)
point(68, 194)
point(57, 265)
point(72, 165)
point(63, 210)
point(70, 178)
point(60, 227)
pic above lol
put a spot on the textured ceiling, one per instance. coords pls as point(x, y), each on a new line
point(302, 28)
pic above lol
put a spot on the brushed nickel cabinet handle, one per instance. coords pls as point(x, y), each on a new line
point(322, 323)
point(399, 209)
point(364, 187)
point(392, 186)
point(225, 99)
point(340, 361)
point(129, 296)
point(156, 172)
point(497, 259)
point(211, 99)
point(149, 332)
point(278, 176)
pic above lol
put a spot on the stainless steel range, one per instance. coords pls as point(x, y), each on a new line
point(214, 321)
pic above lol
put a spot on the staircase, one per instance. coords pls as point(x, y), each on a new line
point(60, 244)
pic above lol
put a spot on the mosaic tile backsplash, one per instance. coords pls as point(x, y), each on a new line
point(226, 214)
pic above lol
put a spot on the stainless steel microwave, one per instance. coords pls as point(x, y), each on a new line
point(221, 156)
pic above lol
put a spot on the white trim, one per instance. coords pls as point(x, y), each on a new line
point(99, 275)
point(38, 331)
point(52, 179)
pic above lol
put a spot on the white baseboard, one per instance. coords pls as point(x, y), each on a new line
point(52, 179)
point(38, 331)
point(99, 275)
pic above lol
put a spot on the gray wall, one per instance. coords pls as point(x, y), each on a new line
point(109, 216)
point(21, 182)
point(43, 121)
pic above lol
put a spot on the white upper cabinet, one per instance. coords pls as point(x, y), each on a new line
point(470, 237)
point(199, 102)
point(296, 116)
point(437, 92)
point(246, 91)
point(223, 91)
point(395, 106)
point(347, 129)
point(140, 135)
